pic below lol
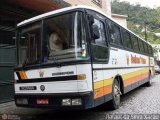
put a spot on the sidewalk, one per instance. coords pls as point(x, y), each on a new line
point(10, 108)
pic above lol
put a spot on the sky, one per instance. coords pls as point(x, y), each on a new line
point(146, 3)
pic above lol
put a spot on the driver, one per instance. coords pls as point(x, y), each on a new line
point(55, 43)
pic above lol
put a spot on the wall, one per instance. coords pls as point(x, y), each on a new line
point(105, 5)
point(10, 15)
point(121, 19)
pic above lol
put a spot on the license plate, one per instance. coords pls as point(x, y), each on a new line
point(42, 101)
point(28, 88)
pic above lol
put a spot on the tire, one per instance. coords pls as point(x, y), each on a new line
point(116, 93)
point(149, 83)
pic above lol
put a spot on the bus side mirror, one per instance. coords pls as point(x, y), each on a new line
point(96, 34)
point(94, 28)
point(91, 19)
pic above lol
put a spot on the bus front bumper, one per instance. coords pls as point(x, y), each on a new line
point(61, 101)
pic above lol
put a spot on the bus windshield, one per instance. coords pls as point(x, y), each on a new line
point(57, 39)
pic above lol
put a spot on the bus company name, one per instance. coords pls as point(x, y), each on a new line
point(63, 73)
point(137, 60)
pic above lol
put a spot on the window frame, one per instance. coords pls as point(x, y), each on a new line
point(101, 18)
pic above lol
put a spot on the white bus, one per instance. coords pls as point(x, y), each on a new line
point(78, 58)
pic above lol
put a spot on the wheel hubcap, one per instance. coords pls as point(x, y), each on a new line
point(117, 94)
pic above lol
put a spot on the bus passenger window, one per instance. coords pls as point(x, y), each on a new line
point(141, 47)
point(114, 33)
point(135, 44)
point(126, 39)
point(150, 50)
point(146, 48)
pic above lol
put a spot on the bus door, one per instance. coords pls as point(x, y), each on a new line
point(99, 51)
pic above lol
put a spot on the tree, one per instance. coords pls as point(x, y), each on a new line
point(139, 16)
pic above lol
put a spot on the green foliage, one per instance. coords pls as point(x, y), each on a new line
point(138, 17)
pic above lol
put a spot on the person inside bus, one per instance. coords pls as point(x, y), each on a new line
point(55, 42)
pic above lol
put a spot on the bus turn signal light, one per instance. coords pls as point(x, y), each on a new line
point(81, 77)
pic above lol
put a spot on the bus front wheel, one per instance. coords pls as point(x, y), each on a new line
point(116, 93)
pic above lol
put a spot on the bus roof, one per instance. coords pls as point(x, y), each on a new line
point(36, 18)
point(42, 16)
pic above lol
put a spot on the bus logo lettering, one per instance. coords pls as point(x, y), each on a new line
point(137, 60)
point(63, 73)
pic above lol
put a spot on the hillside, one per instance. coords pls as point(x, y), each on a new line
point(138, 16)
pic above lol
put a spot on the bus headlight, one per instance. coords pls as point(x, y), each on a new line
point(22, 101)
point(66, 102)
point(77, 101)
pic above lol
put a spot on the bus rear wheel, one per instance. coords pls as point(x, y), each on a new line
point(116, 93)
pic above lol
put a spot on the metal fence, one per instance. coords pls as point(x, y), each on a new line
point(7, 63)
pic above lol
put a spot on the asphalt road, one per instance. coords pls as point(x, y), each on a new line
point(141, 103)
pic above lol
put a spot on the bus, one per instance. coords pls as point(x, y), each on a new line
point(78, 58)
